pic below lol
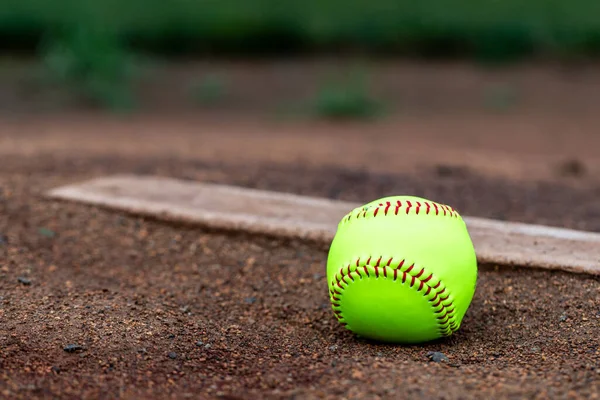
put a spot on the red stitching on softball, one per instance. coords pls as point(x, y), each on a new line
point(450, 311)
point(418, 207)
point(387, 207)
point(445, 314)
point(409, 206)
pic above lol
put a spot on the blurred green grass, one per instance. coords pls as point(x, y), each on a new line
point(485, 29)
point(93, 47)
point(91, 63)
point(347, 96)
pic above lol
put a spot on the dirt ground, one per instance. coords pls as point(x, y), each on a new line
point(95, 304)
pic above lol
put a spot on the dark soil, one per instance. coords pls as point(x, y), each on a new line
point(95, 304)
point(118, 307)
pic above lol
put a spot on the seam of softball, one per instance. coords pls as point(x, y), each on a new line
point(418, 277)
point(402, 206)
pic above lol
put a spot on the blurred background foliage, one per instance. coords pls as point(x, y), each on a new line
point(483, 29)
point(93, 45)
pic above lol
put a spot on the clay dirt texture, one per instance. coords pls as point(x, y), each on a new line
point(99, 304)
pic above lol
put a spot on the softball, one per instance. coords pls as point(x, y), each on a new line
point(401, 269)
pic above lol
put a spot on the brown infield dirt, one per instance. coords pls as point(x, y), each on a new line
point(95, 304)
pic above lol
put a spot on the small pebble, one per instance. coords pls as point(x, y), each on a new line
point(207, 346)
point(171, 336)
point(572, 167)
point(172, 355)
point(437, 357)
point(199, 343)
point(450, 171)
point(563, 318)
point(3, 240)
point(333, 348)
point(250, 300)
point(24, 281)
point(72, 348)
